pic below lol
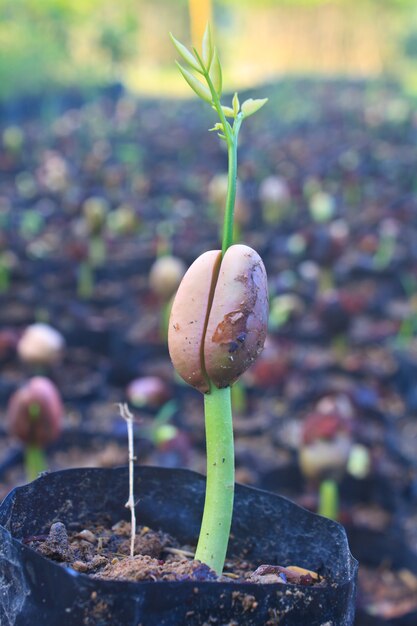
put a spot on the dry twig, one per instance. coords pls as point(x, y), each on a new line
point(130, 504)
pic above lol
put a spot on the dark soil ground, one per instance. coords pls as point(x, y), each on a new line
point(340, 253)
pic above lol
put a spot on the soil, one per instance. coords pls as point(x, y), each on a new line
point(104, 552)
point(386, 593)
point(346, 143)
point(110, 454)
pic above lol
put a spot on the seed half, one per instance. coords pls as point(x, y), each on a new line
point(188, 319)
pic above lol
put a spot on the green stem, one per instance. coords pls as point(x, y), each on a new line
point(164, 319)
point(231, 135)
point(96, 251)
point(85, 283)
point(4, 277)
point(218, 506)
point(35, 462)
point(329, 499)
point(230, 198)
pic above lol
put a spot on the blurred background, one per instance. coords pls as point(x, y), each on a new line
point(86, 43)
point(110, 187)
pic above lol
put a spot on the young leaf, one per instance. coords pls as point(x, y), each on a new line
point(208, 47)
point(201, 90)
point(217, 126)
point(215, 73)
point(228, 111)
point(250, 106)
point(185, 53)
point(236, 104)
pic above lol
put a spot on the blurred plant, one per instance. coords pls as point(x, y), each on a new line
point(148, 392)
point(117, 39)
point(91, 227)
point(322, 206)
point(8, 261)
point(284, 308)
point(53, 42)
point(388, 235)
point(123, 220)
point(165, 276)
point(239, 397)
point(324, 453)
point(40, 346)
point(35, 417)
point(160, 430)
point(31, 223)
point(408, 327)
point(275, 198)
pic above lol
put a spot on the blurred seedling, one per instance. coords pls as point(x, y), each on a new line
point(148, 392)
point(388, 235)
point(40, 347)
point(95, 212)
point(7, 262)
point(327, 453)
point(165, 274)
point(160, 431)
point(275, 199)
point(34, 416)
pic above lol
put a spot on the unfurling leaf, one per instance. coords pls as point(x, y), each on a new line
point(201, 90)
point(208, 47)
point(235, 104)
point(185, 53)
point(228, 111)
point(250, 106)
point(215, 73)
point(217, 126)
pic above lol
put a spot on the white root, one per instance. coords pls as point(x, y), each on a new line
point(130, 504)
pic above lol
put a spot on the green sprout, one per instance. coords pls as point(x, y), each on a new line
point(219, 316)
point(35, 460)
point(34, 416)
point(209, 68)
point(329, 499)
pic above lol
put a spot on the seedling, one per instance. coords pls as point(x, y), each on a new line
point(149, 392)
point(408, 327)
point(388, 234)
point(275, 198)
point(165, 274)
point(95, 212)
point(219, 316)
point(6, 262)
point(324, 455)
point(34, 416)
point(123, 221)
point(160, 431)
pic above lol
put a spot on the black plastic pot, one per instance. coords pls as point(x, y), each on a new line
point(266, 527)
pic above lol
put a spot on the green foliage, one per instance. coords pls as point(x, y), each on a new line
point(57, 42)
point(209, 67)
